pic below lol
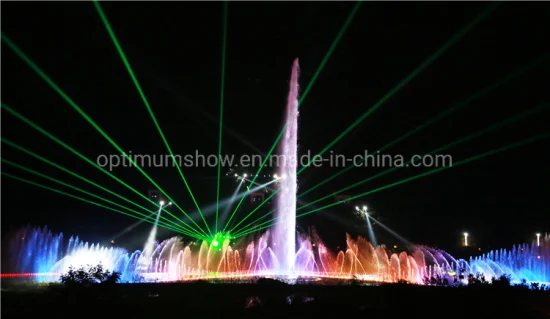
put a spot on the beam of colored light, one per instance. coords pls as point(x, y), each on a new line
point(274, 192)
point(231, 200)
point(254, 210)
point(222, 91)
point(142, 216)
point(63, 169)
point(461, 33)
point(258, 206)
point(393, 233)
point(440, 149)
point(455, 107)
point(372, 236)
point(437, 170)
point(200, 109)
point(418, 128)
point(327, 56)
point(258, 184)
point(464, 139)
point(57, 89)
point(131, 227)
point(339, 36)
point(415, 177)
point(67, 147)
point(74, 196)
point(149, 244)
point(208, 209)
point(150, 110)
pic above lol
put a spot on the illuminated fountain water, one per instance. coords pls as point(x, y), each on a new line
point(284, 232)
point(39, 251)
point(527, 261)
point(47, 255)
point(279, 251)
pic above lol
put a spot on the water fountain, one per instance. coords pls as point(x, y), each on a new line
point(277, 252)
point(40, 252)
point(284, 232)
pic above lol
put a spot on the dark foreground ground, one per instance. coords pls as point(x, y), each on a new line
point(270, 300)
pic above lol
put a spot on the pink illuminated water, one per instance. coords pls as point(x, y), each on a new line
point(284, 233)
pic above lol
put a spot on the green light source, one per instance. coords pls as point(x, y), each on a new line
point(219, 238)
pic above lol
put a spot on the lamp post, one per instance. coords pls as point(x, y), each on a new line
point(466, 239)
point(538, 239)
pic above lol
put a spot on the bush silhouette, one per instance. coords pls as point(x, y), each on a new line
point(89, 275)
point(502, 281)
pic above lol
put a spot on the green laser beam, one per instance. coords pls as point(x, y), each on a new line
point(222, 92)
point(489, 129)
point(56, 88)
point(332, 48)
point(63, 169)
point(70, 195)
point(465, 161)
point(255, 209)
point(433, 120)
point(339, 36)
point(473, 158)
point(403, 82)
point(149, 109)
point(29, 170)
point(72, 150)
point(406, 80)
point(469, 137)
point(141, 215)
point(251, 224)
point(455, 107)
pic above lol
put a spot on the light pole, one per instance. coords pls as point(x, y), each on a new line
point(538, 239)
point(466, 239)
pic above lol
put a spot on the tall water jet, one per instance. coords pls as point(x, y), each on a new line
point(284, 233)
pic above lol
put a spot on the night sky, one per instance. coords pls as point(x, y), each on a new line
point(175, 50)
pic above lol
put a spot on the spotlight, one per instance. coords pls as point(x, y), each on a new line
point(365, 208)
point(236, 175)
point(161, 202)
point(245, 175)
point(169, 203)
point(357, 207)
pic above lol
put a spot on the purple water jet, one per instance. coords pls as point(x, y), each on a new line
point(284, 233)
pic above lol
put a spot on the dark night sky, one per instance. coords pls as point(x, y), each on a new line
point(175, 51)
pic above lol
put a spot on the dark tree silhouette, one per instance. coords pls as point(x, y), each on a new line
point(89, 275)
